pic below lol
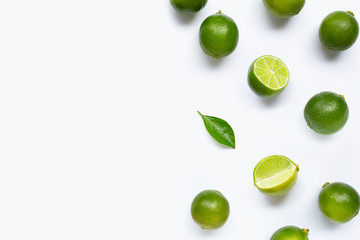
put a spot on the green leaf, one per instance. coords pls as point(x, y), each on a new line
point(220, 130)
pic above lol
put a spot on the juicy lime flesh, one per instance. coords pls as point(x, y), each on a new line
point(275, 175)
point(290, 233)
point(339, 202)
point(339, 30)
point(274, 180)
point(218, 35)
point(210, 209)
point(326, 112)
point(272, 72)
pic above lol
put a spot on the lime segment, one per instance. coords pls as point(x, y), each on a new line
point(275, 175)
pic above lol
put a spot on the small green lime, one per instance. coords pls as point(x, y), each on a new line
point(188, 6)
point(339, 30)
point(268, 76)
point(326, 112)
point(290, 233)
point(284, 8)
point(210, 209)
point(218, 35)
point(339, 202)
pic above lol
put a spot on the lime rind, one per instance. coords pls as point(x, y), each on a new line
point(271, 72)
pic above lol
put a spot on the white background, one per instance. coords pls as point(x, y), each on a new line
point(99, 134)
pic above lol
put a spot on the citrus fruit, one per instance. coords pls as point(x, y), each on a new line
point(290, 233)
point(218, 35)
point(268, 76)
point(284, 8)
point(188, 6)
point(339, 202)
point(275, 175)
point(339, 30)
point(326, 112)
point(210, 209)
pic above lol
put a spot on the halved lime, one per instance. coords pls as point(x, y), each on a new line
point(275, 175)
point(268, 76)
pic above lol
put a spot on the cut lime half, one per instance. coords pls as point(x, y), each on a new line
point(268, 76)
point(275, 175)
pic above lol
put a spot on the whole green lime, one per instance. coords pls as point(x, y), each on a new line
point(218, 35)
point(339, 202)
point(290, 233)
point(326, 112)
point(339, 30)
point(284, 8)
point(188, 6)
point(210, 209)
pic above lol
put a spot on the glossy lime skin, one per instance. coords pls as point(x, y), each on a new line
point(218, 35)
point(339, 30)
point(339, 202)
point(188, 6)
point(210, 209)
point(284, 8)
point(290, 233)
point(326, 112)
